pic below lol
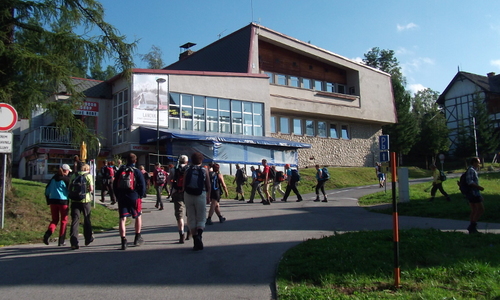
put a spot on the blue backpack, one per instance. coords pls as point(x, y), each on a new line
point(195, 180)
point(325, 174)
point(56, 190)
point(295, 175)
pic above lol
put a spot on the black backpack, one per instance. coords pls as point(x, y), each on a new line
point(178, 180)
point(462, 184)
point(272, 173)
point(295, 175)
point(214, 180)
point(160, 177)
point(78, 188)
point(195, 180)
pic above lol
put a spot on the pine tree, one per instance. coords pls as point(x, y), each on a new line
point(487, 138)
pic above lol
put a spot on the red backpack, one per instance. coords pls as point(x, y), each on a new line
point(126, 179)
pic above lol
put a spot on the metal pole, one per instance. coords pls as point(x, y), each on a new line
point(475, 136)
point(3, 187)
point(395, 220)
point(158, 121)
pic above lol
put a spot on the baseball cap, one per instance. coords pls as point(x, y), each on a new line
point(66, 167)
point(287, 166)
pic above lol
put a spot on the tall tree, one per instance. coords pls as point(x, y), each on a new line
point(153, 58)
point(403, 133)
point(43, 43)
point(464, 143)
point(97, 73)
point(487, 137)
point(433, 134)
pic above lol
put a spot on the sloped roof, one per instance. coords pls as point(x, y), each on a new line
point(485, 83)
point(91, 88)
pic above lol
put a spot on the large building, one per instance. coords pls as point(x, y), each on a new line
point(458, 101)
point(255, 93)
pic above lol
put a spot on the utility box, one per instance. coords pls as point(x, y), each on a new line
point(403, 185)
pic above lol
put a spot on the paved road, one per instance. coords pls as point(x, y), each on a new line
point(239, 260)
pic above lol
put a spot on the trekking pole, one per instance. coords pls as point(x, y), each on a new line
point(428, 189)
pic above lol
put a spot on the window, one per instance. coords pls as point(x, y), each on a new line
point(258, 118)
point(236, 117)
point(322, 129)
point(333, 131)
point(284, 126)
point(318, 85)
point(309, 128)
point(294, 81)
point(330, 87)
point(120, 117)
point(273, 124)
point(199, 113)
point(212, 115)
point(297, 126)
point(224, 116)
point(271, 77)
point(345, 132)
point(186, 112)
point(306, 83)
point(281, 79)
point(174, 117)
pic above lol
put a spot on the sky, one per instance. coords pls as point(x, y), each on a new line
point(432, 39)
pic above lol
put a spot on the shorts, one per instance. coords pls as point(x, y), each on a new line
point(179, 206)
point(381, 176)
point(215, 195)
point(474, 199)
point(129, 208)
point(239, 187)
point(265, 187)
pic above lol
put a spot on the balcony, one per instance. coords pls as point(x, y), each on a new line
point(49, 135)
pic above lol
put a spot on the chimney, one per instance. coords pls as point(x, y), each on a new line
point(491, 74)
point(186, 50)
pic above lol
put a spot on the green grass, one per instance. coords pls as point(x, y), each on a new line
point(27, 215)
point(359, 265)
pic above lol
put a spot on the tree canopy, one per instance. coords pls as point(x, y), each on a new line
point(44, 43)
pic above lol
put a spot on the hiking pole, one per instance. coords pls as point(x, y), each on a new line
point(428, 189)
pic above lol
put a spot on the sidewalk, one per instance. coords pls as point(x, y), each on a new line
point(238, 262)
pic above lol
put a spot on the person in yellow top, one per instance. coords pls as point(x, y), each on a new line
point(437, 184)
point(80, 193)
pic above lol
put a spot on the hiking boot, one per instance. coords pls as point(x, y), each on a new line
point(472, 228)
point(75, 247)
point(181, 237)
point(87, 242)
point(236, 198)
point(242, 199)
point(250, 201)
point(284, 200)
point(188, 235)
point(298, 200)
point(266, 202)
point(138, 240)
point(209, 221)
point(113, 202)
point(46, 237)
point(60, 241)
point(317, 199)
point(324, 200)
point(124, 244)
point(222, 219)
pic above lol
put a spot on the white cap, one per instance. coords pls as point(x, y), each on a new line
point(66, 167)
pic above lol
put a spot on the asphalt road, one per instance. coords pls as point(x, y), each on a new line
point(239, 260)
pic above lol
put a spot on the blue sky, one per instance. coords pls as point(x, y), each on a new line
point(431, 38)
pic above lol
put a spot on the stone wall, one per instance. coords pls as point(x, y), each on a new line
point(361, 150)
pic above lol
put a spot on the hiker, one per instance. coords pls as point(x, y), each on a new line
point(130, 188)
point(437, 184)
point(256, 184)
point(217, 186)
point(239, 179)
point(176, 179)
point(380, 174)
point(196, 188)
point(146, 177)
point(160, 183)
point(80, 194)
point(278, 179)
point(474, 195)
point(107, 175)
point(56, 194)
point(321, 177)
point(266, 177)
point(293, 178)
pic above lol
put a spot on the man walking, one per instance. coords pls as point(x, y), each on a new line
point(239, 179)
point(176, 177)
point(474, 195)
point(292, 178)
point(108, 174)
point(159, 181)
point(437, 184)
point(256, 184)
point(130, 188)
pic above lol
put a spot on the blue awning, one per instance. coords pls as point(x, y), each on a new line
point(148, 135)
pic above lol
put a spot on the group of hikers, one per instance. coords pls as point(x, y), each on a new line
point(192, 188)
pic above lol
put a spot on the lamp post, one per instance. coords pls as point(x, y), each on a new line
point(158, 81)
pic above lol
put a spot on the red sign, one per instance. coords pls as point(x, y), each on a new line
point(88, 108)
point(8, 117)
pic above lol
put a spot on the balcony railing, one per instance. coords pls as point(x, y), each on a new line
point(48, 135)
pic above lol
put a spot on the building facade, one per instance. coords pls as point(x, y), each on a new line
point(458, 101)
point(253, 94)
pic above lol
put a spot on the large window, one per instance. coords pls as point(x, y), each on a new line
point(345, 132)
point(297, 126)
point(322, 129)
point(209, 114)
point(307, 83)
point(273, 124)
point(120, 116)
point(310, 128)
point(284, 125)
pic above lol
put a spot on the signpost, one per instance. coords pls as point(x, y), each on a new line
point(8, 119)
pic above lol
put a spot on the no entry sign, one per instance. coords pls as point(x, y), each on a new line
point(8, 117)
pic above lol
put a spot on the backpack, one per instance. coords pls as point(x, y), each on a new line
point(442, 176)
point(178, 180)
point(462, 184)
point(160, 177)
point(78, 188)
point(280, 176)
point(295, 175)
point(214, 180)
point(325, 174)
point(258, 173)
point(244, 175)
point(195, 180)
point(126, 179)
point(272, 173)
point(108, 172)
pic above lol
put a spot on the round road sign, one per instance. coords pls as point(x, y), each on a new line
point(8, 117)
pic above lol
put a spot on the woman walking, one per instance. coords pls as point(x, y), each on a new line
point(321, 178)
point(217, 182)
point(56, 193)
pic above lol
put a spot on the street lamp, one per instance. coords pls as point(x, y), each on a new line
point(158, 81)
